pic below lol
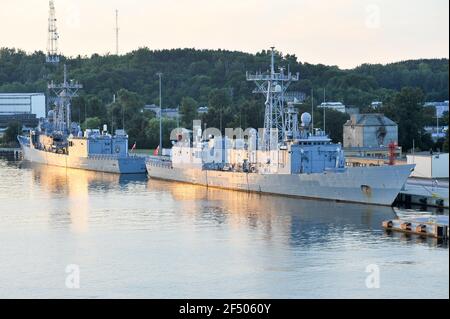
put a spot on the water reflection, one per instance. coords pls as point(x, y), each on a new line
point(71, 189)
point(78, 198)
point(307, 222)
point(137, 237)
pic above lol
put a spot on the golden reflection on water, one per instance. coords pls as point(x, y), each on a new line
point(265, 210)
point(73, 184)
point(271, 214)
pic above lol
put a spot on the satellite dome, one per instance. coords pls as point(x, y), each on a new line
point(277, 88)
point(306, 119)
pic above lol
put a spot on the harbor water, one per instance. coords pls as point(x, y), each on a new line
point(133, 237)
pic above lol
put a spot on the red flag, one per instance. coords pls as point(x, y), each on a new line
point(156, 152)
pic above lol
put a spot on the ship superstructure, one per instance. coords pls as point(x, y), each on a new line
point(284, 158)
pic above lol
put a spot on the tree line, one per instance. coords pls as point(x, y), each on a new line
point(217, 79)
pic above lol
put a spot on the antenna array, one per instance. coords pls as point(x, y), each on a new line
point(53, 36)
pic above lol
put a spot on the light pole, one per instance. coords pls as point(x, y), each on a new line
point(324, 108)
point(159, 74)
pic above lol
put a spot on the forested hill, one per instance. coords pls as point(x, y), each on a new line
point(217, 79)
point(194, 73)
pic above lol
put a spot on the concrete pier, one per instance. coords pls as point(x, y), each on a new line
point(11, 153)
point(425, 192)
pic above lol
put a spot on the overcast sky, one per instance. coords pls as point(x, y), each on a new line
point(339, 32)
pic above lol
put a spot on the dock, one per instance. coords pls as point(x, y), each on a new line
point(435, 226)
point(426, 193)
point(11, 153)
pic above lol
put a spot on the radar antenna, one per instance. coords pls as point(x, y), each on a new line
point(63, 94)
point(274, 86)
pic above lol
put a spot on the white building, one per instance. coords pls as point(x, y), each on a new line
point(171, 113)
point(441, 107)
point(337, 106)
point(202, 110)
point(429, 165)
point(22, 103)
point(437, 132)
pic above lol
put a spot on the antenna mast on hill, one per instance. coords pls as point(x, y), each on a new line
point(52, 42)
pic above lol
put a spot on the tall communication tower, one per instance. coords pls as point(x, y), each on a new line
point(117, 32)
point(63, 94)
point(52, 42)
point(274, 86)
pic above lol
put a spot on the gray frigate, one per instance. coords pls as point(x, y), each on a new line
point(285, 158)
point(60, 142)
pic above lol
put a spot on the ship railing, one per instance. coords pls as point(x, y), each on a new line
point(113, 157)
point(156, 161)
point(272, 77)
point(160, 164)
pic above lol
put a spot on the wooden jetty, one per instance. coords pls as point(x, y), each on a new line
point(419, 224)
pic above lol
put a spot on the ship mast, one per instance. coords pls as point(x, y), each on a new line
point(63, 94)
point(274, 86)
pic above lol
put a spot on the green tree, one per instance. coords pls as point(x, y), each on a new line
point(220, 112)
point(92, 123)
point(95, 107)
point(334, 123)
point(406, 109)
point(445, 145)
point(188, 111)
point(13, 129)
point(214, 78)
point(152, 132)
point(123, 113)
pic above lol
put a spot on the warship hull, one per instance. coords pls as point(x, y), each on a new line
point(367, 185)
point(100, 163)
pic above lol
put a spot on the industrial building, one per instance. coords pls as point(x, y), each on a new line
point(25, 108)
point(369, 131)
point(22, 103)
point(429, 165)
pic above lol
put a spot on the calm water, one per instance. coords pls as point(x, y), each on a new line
point(133, 237)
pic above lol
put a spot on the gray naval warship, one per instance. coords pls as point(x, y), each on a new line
point(285, 158)
point(60, 142)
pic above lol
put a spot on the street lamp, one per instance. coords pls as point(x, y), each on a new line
point(159, 74)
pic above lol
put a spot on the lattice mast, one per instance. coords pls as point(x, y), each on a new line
point(52, 42)
point(274, 86)
point(63, 94)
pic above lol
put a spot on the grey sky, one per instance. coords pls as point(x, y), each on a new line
point(342, 32)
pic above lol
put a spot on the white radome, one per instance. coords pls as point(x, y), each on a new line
point(306, 119)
